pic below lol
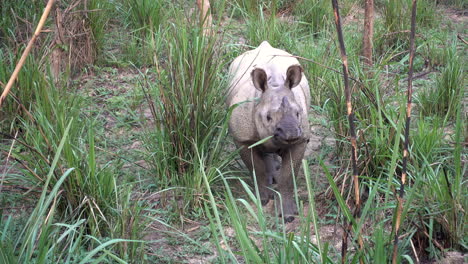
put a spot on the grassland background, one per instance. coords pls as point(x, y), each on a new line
point(114, 144)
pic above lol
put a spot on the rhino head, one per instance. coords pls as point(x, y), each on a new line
point(277, 113)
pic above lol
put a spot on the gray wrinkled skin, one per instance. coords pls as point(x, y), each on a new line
point(273, 98)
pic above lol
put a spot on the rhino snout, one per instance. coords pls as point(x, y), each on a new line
point(288, 133)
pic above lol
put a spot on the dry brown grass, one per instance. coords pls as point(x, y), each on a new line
point(73, 45)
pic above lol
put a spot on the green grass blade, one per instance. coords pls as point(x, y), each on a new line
point(336, 192)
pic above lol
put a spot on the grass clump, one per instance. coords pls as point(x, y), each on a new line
point(16, 21)
point(44, 238)
point(30, 80)
point(441, 188)
point(315, 14)
point(446, 97)
point(98, 18)
point(271, 243)
point(55, 150)
point(263, 24)
point(392, 33)
point(146, 23)
point(143, 16)
point(189, 116)
point(250, 7)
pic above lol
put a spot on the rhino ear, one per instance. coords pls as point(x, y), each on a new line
point(259, 79)
point(293, 76)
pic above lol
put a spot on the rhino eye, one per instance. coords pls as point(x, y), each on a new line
point(268, 118)
point(297, 114)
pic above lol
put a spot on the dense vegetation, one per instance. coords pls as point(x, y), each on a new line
point(114, 144)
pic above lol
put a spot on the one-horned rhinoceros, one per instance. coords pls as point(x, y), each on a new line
point(273, 98)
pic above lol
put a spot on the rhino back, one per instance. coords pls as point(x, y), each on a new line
point(242, 91)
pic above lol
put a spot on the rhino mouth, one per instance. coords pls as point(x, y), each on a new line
point(288, 141)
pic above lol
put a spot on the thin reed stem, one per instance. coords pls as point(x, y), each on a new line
point(406, 143)
point(20, 64)
point(352, 132)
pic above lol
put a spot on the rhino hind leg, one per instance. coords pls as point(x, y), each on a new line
point(253, 159)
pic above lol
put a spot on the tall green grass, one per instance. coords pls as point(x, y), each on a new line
point(433, 48)
point(22, 96)
point(256, 238)
point(17, 24)
point(435, 211)
point(459, 4)
point(98, 17)
point(17, 19)
point(144, 16)
point(249, 7)
point(43, 239)
point(447, 96)
point(55, 151)
point(316, 70)
point(392, 33)
point(434, 169)
point(89, 187)
point(145, 22)
point(315, 15)
point(187, 103)
point(265, 25)
point(87, 211)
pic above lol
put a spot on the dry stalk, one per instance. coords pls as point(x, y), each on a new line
point(462, 40)
point(401, 193)
point(2, 180)
point(368, 33)
point(20, 64)
point(352, 132)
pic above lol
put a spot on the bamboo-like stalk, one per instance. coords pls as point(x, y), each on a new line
point(407, 128)
point(352, 132)
point(20, 64)
point(367, 36)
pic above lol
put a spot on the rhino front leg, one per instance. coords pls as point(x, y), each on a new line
point(272, 167)
point(249, 155)
point(293, 156)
